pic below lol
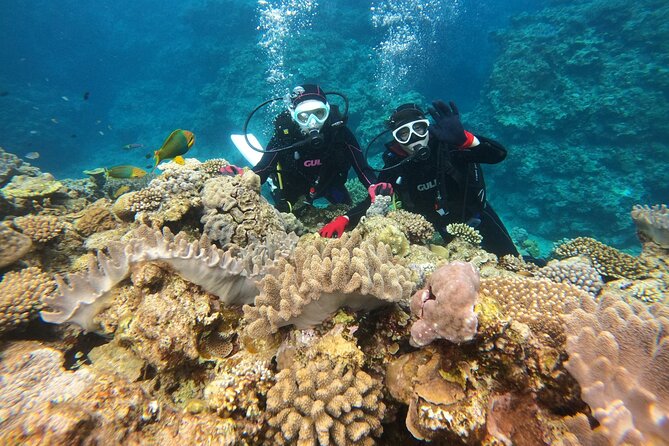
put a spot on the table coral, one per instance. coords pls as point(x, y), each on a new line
point(23, 186)
point(20, 296)
point(445, 308)
point(619, 353)
point(323, 275)
point(13, 245)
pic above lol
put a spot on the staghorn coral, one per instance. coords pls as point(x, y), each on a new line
point(325, 398)
point(465, 232)
point(20, 296)
point(13, 245)
point(96, 218)
point(445, 308)
point(577, 272)
point(326, 274)
point(40, 228)
point(415, 226)
point(619, 354)
point(231, 277)
point(537, 303)
point(606, 260)
point(235, 212)
point(652, 223)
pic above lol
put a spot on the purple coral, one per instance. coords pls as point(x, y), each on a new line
point(445, 308)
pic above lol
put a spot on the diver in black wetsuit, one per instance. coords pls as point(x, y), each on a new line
point(321, 150)
point(434, 170)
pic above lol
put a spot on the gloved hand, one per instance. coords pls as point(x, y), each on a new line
point(448, 128)
point(379, 189)
point(335, 228)
point(231, 170)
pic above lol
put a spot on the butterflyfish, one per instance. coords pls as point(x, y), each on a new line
point(125, 171)
point(177, 144)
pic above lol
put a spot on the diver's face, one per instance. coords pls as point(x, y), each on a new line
point(311, 115)
point(413, 135)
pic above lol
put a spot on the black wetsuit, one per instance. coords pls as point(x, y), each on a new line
point(312, 170)
point(447, 187)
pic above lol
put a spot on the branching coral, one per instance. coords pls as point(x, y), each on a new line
point(40, 228)
point(445, 308)
point(465, 232)
point(325, 398)
point(219, 272)
point(606, 260)
point(326, 274)
point(653, 223)
point(619, 354)
point(20, 294)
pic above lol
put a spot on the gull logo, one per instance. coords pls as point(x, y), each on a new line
point(427, 186)
point(312, 163)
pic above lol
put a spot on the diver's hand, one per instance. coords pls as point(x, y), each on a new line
point(335, 228)
point(379, 189)
point(447, 127)
point(231, 170)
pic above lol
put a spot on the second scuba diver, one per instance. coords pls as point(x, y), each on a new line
point(311, 152)
point(434, 170)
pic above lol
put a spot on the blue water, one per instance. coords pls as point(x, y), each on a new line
point(204, 65)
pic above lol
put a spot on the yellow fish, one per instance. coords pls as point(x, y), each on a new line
point(177, 144)
point(121, 190)
point(125, 171)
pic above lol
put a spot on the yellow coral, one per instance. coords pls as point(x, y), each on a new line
point(23, 186)
point(20, 296)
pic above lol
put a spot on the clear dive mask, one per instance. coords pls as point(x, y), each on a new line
point(311, 115)
point(403, 133)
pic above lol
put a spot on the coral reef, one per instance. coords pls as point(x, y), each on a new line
point(11, 165)
point(13, 245)
point(415, 226)
point(325, 398)
point(31, 187)
point(385, 230)
point(20, 296)
point(606, 260)
point(619, 353)
point(323, 275)
point(575, 271)
point(445, 308)
point(96, 218)
point(465, 232)
point(231, 277)
point(40, 228)
point(652, 223)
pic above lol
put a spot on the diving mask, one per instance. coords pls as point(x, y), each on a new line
point(403, 133)
point(310, 115)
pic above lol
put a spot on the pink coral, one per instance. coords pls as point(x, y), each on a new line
point(445, 308)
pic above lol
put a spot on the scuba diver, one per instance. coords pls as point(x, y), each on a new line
point(434, 170)
point(310, 152)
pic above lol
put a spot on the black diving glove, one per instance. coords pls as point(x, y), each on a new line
point(447, 127)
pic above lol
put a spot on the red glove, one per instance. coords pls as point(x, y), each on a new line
point(231, 170)
point(379, 189)
point(335, 228)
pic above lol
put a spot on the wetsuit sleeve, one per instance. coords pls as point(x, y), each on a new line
point(267, 163)
point(488, 152)
point(365, 173)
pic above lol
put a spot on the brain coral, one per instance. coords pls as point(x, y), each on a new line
point(96, 218)
point(323, 275)
point(236, 212)
point(13, 245)
point(20, 296)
